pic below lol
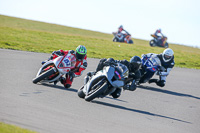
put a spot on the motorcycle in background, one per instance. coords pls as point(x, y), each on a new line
point(162, 42)
point(52, 70)
point(104, 82)
point(126, 38)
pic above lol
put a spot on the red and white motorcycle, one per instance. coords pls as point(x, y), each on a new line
point(52, 70)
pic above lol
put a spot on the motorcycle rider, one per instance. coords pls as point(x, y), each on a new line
point(120, 36)
point(81, 64)
point(157, 34)
point(167, 61)
point(134, 73)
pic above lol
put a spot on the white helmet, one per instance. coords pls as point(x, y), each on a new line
point(167, 54)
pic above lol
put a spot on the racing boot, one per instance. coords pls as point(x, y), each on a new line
point(63, 81)
point(160, 83)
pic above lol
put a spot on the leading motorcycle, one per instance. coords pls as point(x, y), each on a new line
point(104, 82)
point(52, 70)
point(162, 42)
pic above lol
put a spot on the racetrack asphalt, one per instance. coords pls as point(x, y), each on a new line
point(47, 108)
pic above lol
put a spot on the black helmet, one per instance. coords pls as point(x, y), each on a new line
point(135, 63)
point(81, 52)
point(110, 60)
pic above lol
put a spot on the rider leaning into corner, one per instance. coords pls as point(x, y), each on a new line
point(167, 61)
point(120, 35)
point(81, 64)
point(158, 33)
point(134, 73)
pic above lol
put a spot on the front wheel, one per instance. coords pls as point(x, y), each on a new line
point(81, 94)
point(96, 92)
point(43, 76)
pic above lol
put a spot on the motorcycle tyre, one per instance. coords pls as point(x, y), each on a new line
point(43, 76)
point(152, 43)
point(115, 39)
point(97, 92)
point(80, 92)
point(166, 45)
point(131, 42)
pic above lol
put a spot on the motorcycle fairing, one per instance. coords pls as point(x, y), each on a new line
point(65, 64)
point(108, 73)
point(48, 63)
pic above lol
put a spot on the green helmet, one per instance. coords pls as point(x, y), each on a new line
point(81, 51)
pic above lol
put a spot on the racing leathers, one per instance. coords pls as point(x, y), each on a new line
point(80, 66)
point(157, 34)
point(164, 73)
point(134, 75)
point(121, 36)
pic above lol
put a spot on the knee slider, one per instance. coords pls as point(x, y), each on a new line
point(67, 85)
point(161, 83)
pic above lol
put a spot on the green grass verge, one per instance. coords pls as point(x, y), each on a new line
point(27, 35)
point(6, 128)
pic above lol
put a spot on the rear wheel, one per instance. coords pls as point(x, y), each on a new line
point(152, 43)
point(131, 42)
point(43, 75)
point(166, 45)
point(95, 92)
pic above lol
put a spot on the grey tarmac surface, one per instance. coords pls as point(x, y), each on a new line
point(46, 108)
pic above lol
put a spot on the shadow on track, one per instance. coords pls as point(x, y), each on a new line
point(59, 87)
point(137, 111)
point(167, 92)
point(116, 99)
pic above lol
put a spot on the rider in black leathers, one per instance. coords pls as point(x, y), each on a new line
point(134, 73)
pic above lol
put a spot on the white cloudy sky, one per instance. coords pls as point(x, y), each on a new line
point(178, 19)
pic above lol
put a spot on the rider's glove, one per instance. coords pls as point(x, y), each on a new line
point(71, 51)
point(58, 53)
